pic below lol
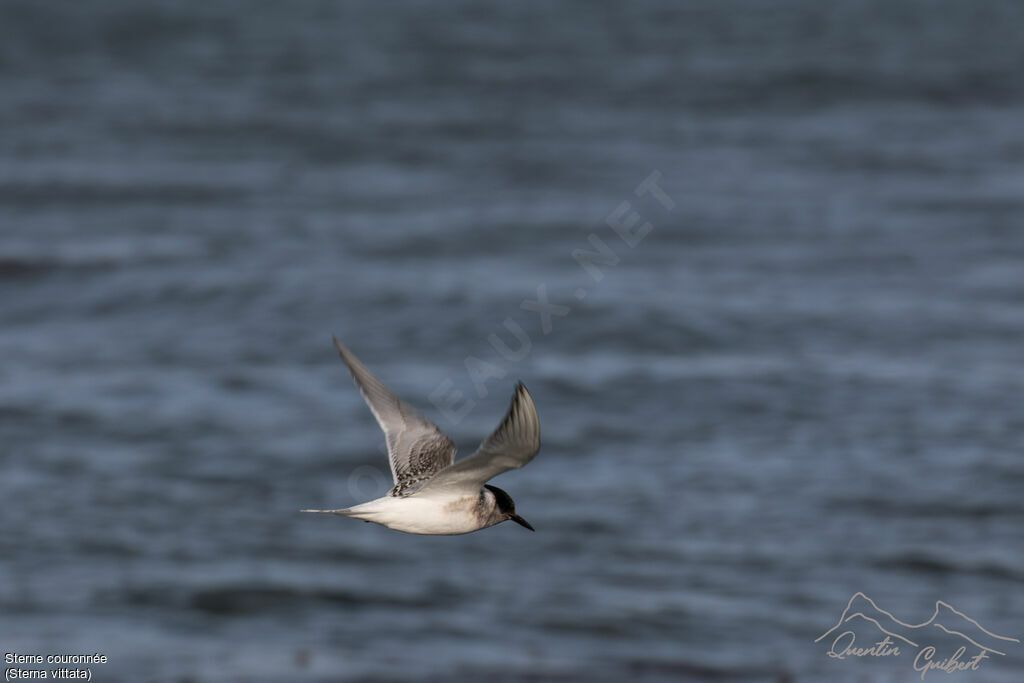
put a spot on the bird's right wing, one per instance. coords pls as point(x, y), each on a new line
point(513, 444)
point(417, 449)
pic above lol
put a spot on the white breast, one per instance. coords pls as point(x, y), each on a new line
point(414, 515)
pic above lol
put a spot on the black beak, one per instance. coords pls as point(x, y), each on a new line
point(519, 520)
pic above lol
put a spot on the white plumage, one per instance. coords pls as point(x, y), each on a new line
point(433, 494)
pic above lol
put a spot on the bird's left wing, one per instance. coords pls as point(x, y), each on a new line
point(417, 449)
point(513, 444)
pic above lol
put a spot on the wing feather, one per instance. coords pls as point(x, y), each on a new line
point(417, 449)
point(513, 444)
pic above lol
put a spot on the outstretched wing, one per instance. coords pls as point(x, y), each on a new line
point(417, 449)
point(513, 444)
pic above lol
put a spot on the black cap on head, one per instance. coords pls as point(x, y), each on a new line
point(507, 506)
point(503, 500)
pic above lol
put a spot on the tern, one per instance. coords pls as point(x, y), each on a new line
point(433, 494)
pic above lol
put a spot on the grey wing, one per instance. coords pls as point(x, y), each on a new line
point(513, 444)
point(417, 449)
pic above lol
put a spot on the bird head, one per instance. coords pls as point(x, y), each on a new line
point(505, 507)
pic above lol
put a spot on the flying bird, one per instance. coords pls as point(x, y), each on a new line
point(433, 494)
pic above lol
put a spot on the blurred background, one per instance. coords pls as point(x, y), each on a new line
point(804, 382)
